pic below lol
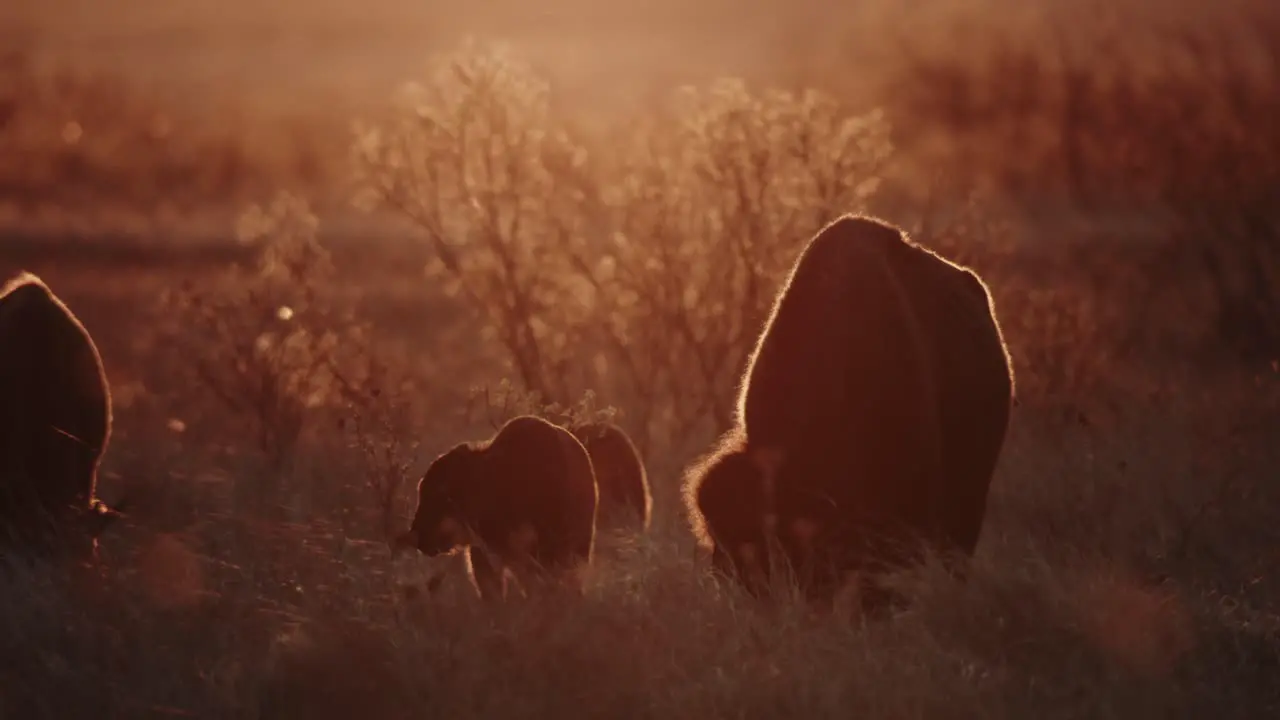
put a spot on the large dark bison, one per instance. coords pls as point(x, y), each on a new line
point(524, 500)
point(55, 422)
point(620, 474)
point(870, 420)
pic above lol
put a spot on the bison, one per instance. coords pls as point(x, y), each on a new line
point(620, 474)
point(727, 505)
point(55, 422)
point(872, 413)
point(523, 501)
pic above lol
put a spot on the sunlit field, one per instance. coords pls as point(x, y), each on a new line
point(318, 246)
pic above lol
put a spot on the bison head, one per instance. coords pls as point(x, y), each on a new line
point(735, 507)
point(440, 522)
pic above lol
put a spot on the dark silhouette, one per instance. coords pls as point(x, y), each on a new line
point(620, 474)
point(55, 423)
point(524, 500)
point(873, 411)
point(725, 497)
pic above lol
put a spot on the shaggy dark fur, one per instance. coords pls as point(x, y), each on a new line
point(871, 416)
point(524, 500)
point(726, 502)
point(55, 422)
point(620, 474)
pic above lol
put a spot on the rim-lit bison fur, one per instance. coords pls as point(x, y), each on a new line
point(724, 493)
point(620, 475)
point(870, 421)
point(55, 423)
point(523, 501)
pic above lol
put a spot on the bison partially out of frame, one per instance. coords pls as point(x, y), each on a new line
point(870, 420)
point(620, 474)
point(55, 422)
point(523, 501)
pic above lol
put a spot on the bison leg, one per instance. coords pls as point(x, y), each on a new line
point(486, 574)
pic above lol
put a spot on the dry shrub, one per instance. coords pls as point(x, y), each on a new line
point(377, 423)
point(475, 163)
point(494, 406)
point(642, 265)
point(1159, 134)
point(712, 202)
point(250, 339)
point(268, 342)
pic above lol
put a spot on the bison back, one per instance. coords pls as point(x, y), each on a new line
point(543, 476)
point(841, 351)
point(55, 408)
point(974, 380)
point(841, 379)
point(620, 473)
point(844, 383)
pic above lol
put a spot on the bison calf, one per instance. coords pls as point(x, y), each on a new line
point(873, 411)
point(620, 474)
point(55, 422)
point(524, 500)
point(728, 506)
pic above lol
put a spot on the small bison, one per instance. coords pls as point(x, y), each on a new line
point(727, 504)
point(620, 474)
point(55, 422)
point(871, 417)
point(524, 501)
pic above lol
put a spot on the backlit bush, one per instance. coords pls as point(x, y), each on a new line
point(642, 264)
point(265, 342)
